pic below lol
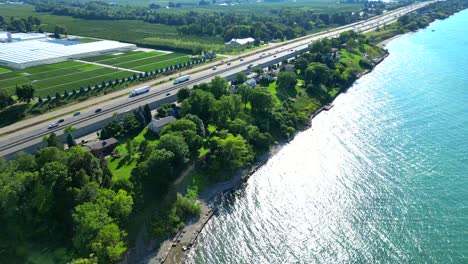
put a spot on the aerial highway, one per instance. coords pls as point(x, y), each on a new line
point(30, 137)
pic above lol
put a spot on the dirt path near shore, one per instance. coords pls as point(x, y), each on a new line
point(175, 250)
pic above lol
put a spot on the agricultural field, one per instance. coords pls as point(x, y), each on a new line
point(49, 79)
point(137, 32)
point(142, 61)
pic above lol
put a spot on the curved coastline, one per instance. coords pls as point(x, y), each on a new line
point(168, 253)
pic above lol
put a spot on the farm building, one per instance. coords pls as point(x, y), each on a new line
point(239, 42)
point(30, 51)
point(13, 37)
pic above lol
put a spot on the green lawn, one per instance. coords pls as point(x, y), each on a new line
point(113, 59)
point(4, 70)
point(273, 91)
point(85, 40)
point(122, 167)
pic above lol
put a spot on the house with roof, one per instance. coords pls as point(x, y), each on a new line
point(251, 82)
point(159, 122)
point(288, 67)
point(101, 147)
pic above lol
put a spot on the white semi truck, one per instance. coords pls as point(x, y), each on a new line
point(182, 79)
point(139, 91)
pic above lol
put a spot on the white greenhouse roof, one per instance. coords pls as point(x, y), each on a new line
point(36, 52)
point(22, 36)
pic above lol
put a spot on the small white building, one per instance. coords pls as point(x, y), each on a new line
point(239, 42)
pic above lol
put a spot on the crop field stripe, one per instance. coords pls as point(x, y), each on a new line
point(129, 56)
point(164, 63)
point(159, 65)
point(124, 59)
point(134, 65)
point(144, 58)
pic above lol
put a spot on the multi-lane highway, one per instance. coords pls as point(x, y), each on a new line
point(28, 138)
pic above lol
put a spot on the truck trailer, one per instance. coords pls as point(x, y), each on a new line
point(139, 91)
point(182, 79)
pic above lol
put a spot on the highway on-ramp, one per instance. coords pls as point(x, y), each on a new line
point(28, 137)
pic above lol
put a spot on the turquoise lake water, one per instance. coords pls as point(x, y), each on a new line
point(380, 178)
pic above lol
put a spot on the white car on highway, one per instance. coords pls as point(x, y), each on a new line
point(52, 125)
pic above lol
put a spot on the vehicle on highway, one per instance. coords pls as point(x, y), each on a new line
point(76, 114)
point(274, 56)
point(168, 94)
point(52, 125)
point(182, 79)
point(228, 63)
point(98, 110)
point(250, 66)
point(61, 120)
point(214, 68)
point(241, 59)
point(140, 90)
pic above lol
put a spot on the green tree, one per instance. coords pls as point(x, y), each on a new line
point(70, 140)
point(245, 92)
point(227, 108)
point(231, 153)
point(219, 87)
point(89, 219)
point(317, 73)
point(5, 99)
point(183, 94)
point(301, 64)
point(25, 92)
point(200, 103)
point(49, 154)
point(113, 129)
point(24, 162)
point(59, 30)
point(176, 144)
point(54, 141)
point(109, 244)
point(198, 122)
point(130, 148)
point(240, 78)
point(121, 207)
point(147, 113)
point(261, 100)
point(179, 126)
point(157, 171)
point(69, 129)
point(287, 82)
point(130, 124)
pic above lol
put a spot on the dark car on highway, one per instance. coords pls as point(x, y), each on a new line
point(76, 114)
point(60, 120)
point(98, 110)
